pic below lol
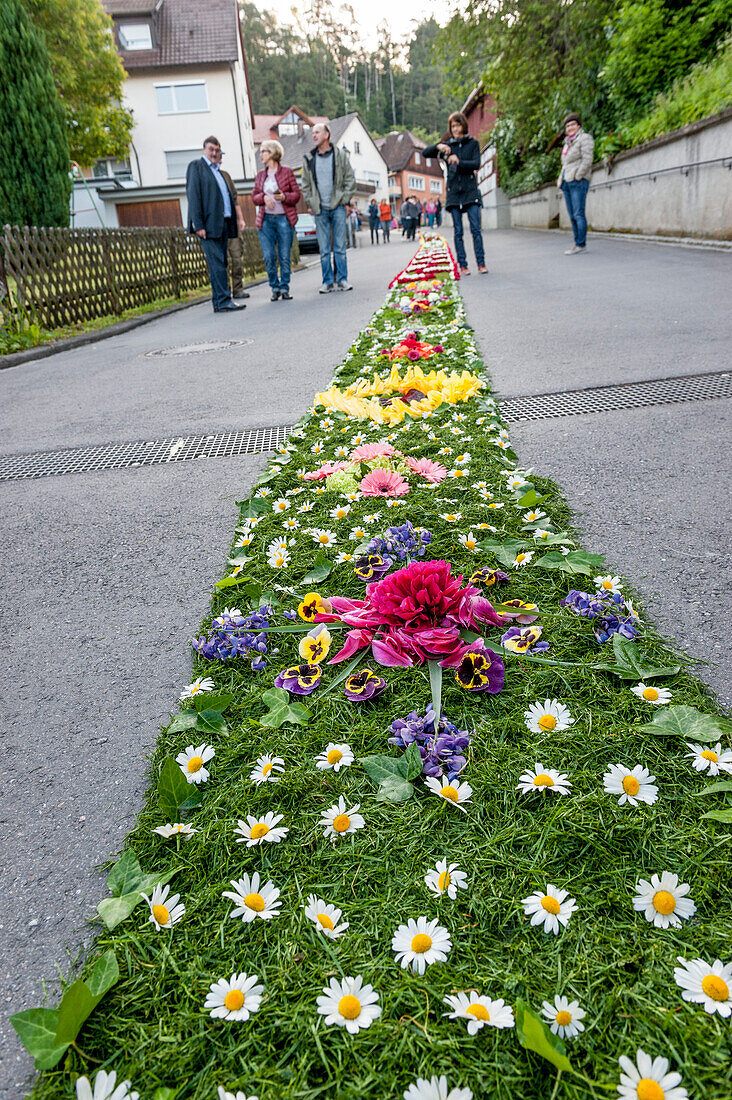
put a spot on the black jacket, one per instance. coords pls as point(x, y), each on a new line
point(206, 203)
point(462, 186)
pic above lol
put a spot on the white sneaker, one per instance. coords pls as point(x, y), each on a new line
point(326, 288)
point(344, 286)
point(573, 250)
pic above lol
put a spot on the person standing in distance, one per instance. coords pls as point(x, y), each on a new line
point(462, 155)
point(235, 251)
point(328, 184)
point(385, 217)
point(276, 195)
point(574, 178)
point(211, 217)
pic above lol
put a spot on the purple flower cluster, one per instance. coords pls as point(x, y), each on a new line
point(608, 611)
point(236, 635)
point(443, 752)
point(402, 543)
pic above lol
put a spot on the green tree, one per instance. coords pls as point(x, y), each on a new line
point(88, 74)
point(34, 153)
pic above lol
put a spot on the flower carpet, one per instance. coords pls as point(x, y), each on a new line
point(439, 816)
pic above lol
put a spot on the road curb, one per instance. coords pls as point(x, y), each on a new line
point(709, 243)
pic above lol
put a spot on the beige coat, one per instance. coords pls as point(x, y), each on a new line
point(577, 161)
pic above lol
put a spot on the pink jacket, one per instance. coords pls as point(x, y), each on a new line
point(288, 186)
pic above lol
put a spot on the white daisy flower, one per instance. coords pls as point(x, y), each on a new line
point(463, 459)
point(469, 541)
point(502, 443)
point(179, 828)
point(263, 492)
point(533, 516)
point(307, 506)
point(457, 794)
point(244, 540)
point(358, 534)
point(352, 497)
point(543, 779)
point(497, 504)
point(326, 423)
point(658, 696)
point(483, 485)
point(261, 830)
point(325, 917)
point(198, 687)
point(282, 504)
point(460, 472)
point(371, 517)
point(104, 1088)
point(541, 535)
point(164, 911)
point(252, 900)
point(548, 717)
point(484, 494)
point(340, 512)
point(564, 1017)
point(456, 431)
point(630, 610)
point(451, 517)
point(608, 583)
point(266, 768)
point(648, 1079)
point(317, 448)
point(633, 786)
point(278, 559)
point(235, 999)
point(191, 762)
point(339, 820)
point(228, 613)
point(291, 524)
point(335, 757)
point(485, 527)
point(342, 452)
point(358, 440)
point(437, 1088)
point(254, 521)
point(705, 758)
point(552, 909)
point(564, 550)
point(342, 557)
point(419, 943)
point(706, 985)
point(445, 451)
point(444, 879)
point(479, 1011)
point(523, 558)
point(323, 537)
point(663, 900)
point(349, 1003)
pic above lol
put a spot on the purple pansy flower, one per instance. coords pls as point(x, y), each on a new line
point(299, 679)
point(363, 685)
point(372, 567)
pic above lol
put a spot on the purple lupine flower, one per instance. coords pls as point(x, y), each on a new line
point(291, 615)
point(608, 611)
point(403, 542)
point(235, 635)
point(443, 752)
point(299, 679)
point(364, 685)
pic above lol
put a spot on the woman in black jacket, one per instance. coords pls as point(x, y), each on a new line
point(462, 155)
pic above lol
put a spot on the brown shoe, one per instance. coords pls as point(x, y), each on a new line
point(464, 271)
point(483, 270)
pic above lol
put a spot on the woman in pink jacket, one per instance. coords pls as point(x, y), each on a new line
point(276, 196)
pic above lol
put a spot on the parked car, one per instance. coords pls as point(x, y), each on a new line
point(305, 232)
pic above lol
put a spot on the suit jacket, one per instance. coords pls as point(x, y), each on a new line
point(206, 203)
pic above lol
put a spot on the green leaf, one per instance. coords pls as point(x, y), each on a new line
point(255, 506)
point(173, 789)
point(82, 997)
point(686, 722)
point(534, 1035)
point(281, 710)
point(505, 551)
point(384, 767)
point(346, 672)
point(720, 787)
point(229, 582)
point(414, 760)
point(207, 701)
point(114, 910)
point(321, 569)
point(125, 875)
point(554, 538)
point(394, 789)
point(36, 1029)
point(165, 1093)
point(530, 498)
point(187, 720)
point(725, 816)
point(436, 689)
point(578, 561)
point(629, 665)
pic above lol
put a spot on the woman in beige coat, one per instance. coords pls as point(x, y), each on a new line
point(574, 178)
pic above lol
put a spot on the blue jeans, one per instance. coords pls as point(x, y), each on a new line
point(334, 221)
point(214, 249)
point(473, 213)
point(275, 237)
point(575, 196)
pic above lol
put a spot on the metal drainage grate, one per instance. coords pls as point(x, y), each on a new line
point(198, 348)
point(122, 456)
point(627, 395)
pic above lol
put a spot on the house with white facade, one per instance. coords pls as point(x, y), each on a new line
point(186, 79)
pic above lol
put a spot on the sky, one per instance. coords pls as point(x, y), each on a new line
point(370, 13)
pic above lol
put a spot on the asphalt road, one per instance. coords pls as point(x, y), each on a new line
point(107, 575)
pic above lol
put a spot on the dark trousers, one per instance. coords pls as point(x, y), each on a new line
point(215, 251)
point(575, 196)
point(275, 236)
point(473, 213)
point(411, 225)
point(374, 227)
point(385, 228)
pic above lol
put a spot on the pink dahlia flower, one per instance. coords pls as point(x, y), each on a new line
point(371, 450)
point(384, 483)
point(433, 472)
point(424, 594)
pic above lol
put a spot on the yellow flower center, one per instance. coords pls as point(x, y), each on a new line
point(631, 785)
point(649, 1090)
point(715, 987)
point(259, 830)
point(650, 693)
point(444, 880)
point(607, 584)
point(520, 557)
point(161, 914)
point(266, 769)
point(550, 904)
point(325, 921)
point(194, 764)
point(470, 544)
point(421, 943)
point(543, 781)
point(663, 902)
point(479, 1011)
point(341, 823)
point(195, 688)
point(334, 756)
point(349, 1006)
point(234, 1000)
point(255, 902)
point(450, 792)
point(563, 1018)
point(324, 539)
point(547, 722)
point(710, 754)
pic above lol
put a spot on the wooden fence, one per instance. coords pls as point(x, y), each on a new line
point(58, 277)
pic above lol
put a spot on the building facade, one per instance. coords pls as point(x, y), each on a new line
point(410, 172)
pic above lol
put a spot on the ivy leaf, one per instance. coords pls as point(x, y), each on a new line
point(394, 789)
point(530, 498)
point(125, 875)
point(384, 767)
point(414, 760)
point(321, 569)
point(534, 1035)
point(725, 816)
point(578, 561)
point(174, 789)
point(686, 722)
point(114, 910)
point(255, 506)
point(506, 551)
point(720, 787)
point(230, 582)
point(629, 666)
point(281, 710)
point(36, 1029)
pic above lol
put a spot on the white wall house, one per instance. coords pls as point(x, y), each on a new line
point(186, 79)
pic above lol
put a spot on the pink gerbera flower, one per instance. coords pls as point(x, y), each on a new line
point(371, 450)
point(384, 483)
point(433, 472)
point(325, 471)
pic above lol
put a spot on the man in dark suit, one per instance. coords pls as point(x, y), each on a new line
point(212, 217)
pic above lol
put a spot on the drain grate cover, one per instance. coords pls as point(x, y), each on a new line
point(122, 456)
point(627, 395)
point(198, 348)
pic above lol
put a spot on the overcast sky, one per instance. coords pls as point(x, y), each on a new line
point(370, 13)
